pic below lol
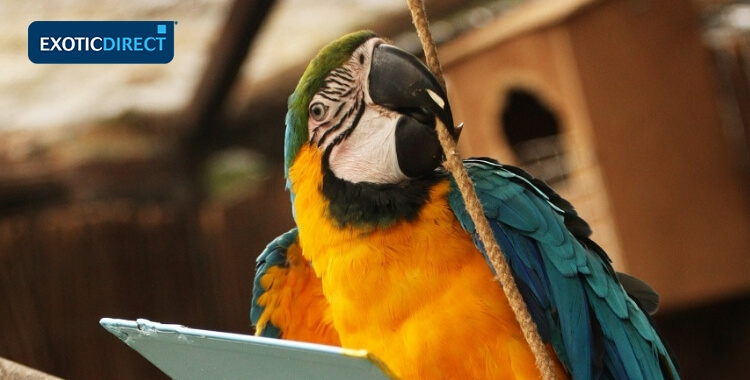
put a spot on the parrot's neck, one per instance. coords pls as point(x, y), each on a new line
point(368, 206)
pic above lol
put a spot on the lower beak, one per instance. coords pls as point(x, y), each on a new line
point(399, 81)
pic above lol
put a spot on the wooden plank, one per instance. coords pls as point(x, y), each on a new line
point(521, 19)
point(13, 371)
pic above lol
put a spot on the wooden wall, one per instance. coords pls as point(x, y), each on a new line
point(678, 195)
point(63, 269)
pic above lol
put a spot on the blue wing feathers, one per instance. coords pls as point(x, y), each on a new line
point(577, 226)
point(568, 295)
point(273, 255)
point(571, 290)
point(641, 322)
point(531, 276)
point(617, 342)
point(597, 278)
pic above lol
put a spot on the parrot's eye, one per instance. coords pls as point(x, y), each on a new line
point(318, 111)
point(361, 59)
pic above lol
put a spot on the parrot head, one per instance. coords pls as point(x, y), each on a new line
point(370, 108)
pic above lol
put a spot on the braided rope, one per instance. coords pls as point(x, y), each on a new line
point(474, 207)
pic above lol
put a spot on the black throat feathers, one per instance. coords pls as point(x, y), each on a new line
point(374, 205)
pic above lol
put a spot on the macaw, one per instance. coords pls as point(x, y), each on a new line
point(385, 257)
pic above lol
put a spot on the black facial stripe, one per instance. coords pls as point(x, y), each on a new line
point(334, 90)
point(336, 126)
point(336, 93)
point(325, 164)
point(315, 131)
point(360, 111)
point(359, 107)
point(338, 110)
point(326, 96)
point(343, 74)
point(339, 81)
point(347, 92)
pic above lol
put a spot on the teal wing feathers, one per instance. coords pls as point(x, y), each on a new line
point(597, 330)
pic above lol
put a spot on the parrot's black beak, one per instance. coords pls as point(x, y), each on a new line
point(401, 82)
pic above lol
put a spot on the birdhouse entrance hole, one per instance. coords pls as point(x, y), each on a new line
point(533, 132)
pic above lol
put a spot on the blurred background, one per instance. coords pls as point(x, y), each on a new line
point(147, 191)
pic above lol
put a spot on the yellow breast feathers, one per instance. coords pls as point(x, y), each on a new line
point(417, 294)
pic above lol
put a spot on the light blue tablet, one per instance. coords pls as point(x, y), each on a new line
point(186, 353)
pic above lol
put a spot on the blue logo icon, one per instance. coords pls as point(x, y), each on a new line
point(101, 41)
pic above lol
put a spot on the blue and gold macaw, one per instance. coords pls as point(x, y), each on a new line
point(385, 257)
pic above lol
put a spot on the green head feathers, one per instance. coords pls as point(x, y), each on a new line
point(330, 57)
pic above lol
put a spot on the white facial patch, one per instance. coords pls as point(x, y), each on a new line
point(368, 154)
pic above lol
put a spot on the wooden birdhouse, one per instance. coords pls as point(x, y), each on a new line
point(615, 105)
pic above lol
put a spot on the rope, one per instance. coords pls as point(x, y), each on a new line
point(474, 207)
